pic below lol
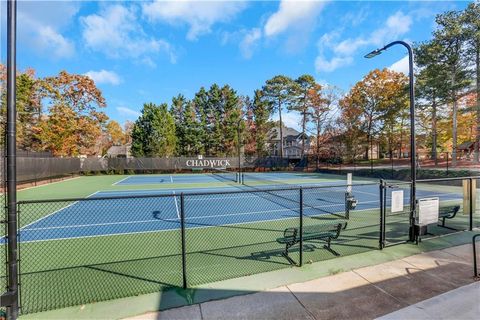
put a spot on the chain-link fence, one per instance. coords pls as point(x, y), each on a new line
point(86, 250)
point(476, 217)
point(457, 212)
point(76, 251)
point(396, 166)
point(3, 218)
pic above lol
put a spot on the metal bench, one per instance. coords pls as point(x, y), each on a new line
point(324, 232)
point(447, 213)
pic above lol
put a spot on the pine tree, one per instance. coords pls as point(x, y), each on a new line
point(299, 91)
point(178, 112)
point(430, 86)
point(200, 105)
point(277, 91)
point(153, 133)
point(231, 120)
point(451, 39)
point(471, 21)
point(192, 134)
point(262, 111)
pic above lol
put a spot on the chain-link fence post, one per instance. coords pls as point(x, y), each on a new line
point(182, 227)
point(301, 226)
point(382, 217)
point(447, 163)
point(470, 218)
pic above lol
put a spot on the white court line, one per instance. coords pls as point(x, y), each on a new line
point(56, 211)
point(218, 198)
point(176, 204)
point(156, 220)
point(192, 218)
point(163, 230)
point(171, 179)
point(120, 181)
point(46, 184)
point(97, 224)
point(199, 217)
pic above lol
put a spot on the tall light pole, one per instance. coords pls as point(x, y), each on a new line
point(413, 170)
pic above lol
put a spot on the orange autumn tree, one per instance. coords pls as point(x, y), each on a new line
point(466, 123)
point(115, 133)
point(73, 123)
point(378, 101)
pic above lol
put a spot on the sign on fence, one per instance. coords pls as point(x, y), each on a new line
point(428, 211)
point(397, 201)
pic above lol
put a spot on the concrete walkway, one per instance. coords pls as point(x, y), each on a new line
point(462, 303)
point(364, 293)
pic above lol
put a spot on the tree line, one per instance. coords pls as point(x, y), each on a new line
point(218, 121)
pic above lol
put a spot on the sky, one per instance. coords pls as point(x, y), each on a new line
point(149, 51)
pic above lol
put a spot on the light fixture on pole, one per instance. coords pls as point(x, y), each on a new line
point(413, 170)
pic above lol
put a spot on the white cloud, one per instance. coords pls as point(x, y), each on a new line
point(325, 65)
point(249, 42)
point(42, 24)
point(290, 14)
point(60, 46)
point(343, 52)
point(128, 113)
point(401, 65)
point(200, 16)
point(116, 32)
point(104, 76)
point(396, 25)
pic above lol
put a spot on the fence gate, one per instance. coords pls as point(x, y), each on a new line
point(396, 217)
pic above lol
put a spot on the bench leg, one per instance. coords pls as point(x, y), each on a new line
point(285, 254)
point(327, 246)
point(444, 226)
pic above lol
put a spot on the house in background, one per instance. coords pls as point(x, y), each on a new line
point(122, 151)
point(466, 149)
point(292, 143)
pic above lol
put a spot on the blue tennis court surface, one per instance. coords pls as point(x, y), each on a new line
point(210, 178)
point(102, 217)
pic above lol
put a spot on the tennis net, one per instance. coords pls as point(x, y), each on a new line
point(316, 200)
point(223, 174)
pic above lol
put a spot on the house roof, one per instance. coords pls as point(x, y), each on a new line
point(288, 133)
point(465, 146)
point(119, 150)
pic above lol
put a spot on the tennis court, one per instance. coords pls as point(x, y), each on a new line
point(154, 179)
point(125, 237)
point(158, 210)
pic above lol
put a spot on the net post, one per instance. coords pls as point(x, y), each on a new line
point(382, 218)
point(300, 263)
point(182, 227)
